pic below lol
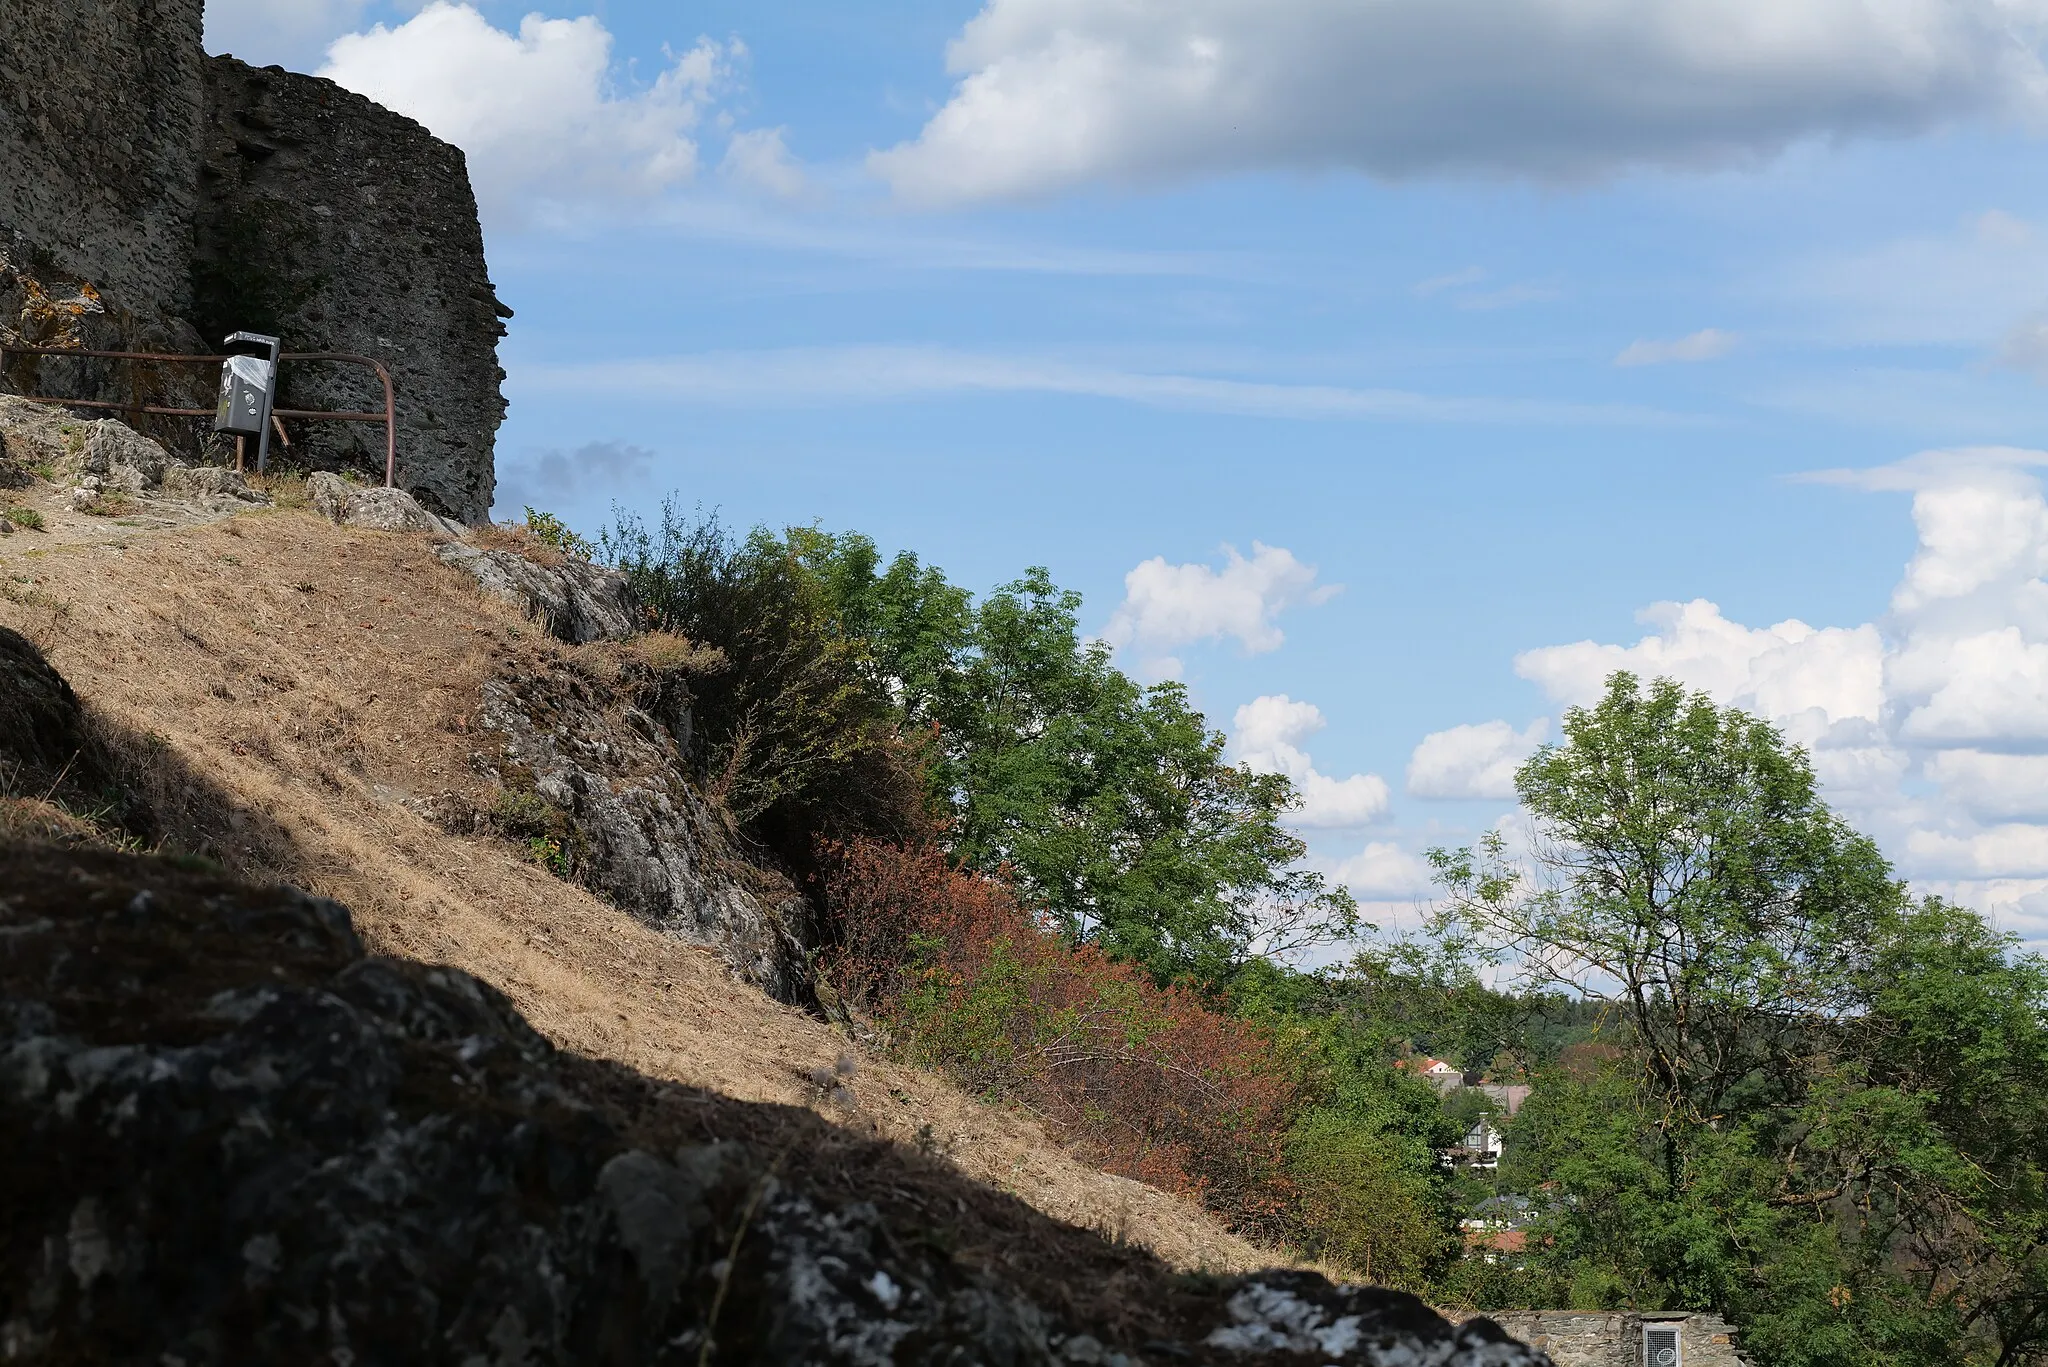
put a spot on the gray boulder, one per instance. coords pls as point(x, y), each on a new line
point(576, 600)
point(38, 435)
point(43, 731)
point(232, 1136)
point(376, 508)
point(123, 458)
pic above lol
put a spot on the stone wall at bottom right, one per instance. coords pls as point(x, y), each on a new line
point(1614, 1338)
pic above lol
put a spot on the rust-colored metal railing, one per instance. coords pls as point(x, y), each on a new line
point(389, 417)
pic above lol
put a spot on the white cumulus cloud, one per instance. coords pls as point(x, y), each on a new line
point(1781, 671)
point(1168, 606)
point(1268, 737)
point(1472, 761)
point(1383, 871)
point(1708, 344)
point(1928, 728)
point(1993, 786)
point(1057, 93)
point(538, 112)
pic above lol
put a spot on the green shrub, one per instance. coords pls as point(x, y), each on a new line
point(1364, 1200)
point(795, 736)
point(27, 517)
point(546, 851)
point(522, 815)
point(550, 530)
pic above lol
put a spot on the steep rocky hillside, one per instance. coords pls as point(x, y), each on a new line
point(314, 704)
point(512, 1093)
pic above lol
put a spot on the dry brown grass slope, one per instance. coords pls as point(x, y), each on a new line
point(292, 684)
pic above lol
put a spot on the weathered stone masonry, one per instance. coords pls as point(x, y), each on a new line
point(1614, 1338)
point(100, 107)
point(152, 198)
point(341, 226)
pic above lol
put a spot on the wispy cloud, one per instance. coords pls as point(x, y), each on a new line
point(826, 224)
point(1964, 286)
point(1436, 284)
point(890, 373)
point(1459, 286)
point(547, 477)
point(1708, 344)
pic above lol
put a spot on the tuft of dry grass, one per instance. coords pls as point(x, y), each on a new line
point(511, 536)
point(29, 820)
point(304, 713)
point(287, 488)
point(667, 653)
point(111, 503)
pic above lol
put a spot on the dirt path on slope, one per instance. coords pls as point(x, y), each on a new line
point(317, 678)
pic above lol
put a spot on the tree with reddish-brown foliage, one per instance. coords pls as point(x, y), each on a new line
point(1148, 1081)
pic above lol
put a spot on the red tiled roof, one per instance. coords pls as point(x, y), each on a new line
point(1499, 1240)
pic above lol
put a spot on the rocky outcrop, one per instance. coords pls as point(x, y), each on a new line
point(575, 600)
point(373, 507)
point(153, 199)
point(211, 487)
point(36, 439)
point(231, 1136)
point(123, 457)
point(338, 225)
point(600, 778)
point(106, 456)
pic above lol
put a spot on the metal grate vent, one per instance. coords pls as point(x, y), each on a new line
point(1660, 1347)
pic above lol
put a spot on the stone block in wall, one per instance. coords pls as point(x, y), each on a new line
point(339, 225)
point(1573, 1338)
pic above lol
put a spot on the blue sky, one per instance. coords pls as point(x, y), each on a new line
point(1511, 324)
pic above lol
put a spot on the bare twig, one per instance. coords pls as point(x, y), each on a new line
point(732, 1253)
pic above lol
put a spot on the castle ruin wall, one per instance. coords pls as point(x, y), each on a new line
point(155, 199)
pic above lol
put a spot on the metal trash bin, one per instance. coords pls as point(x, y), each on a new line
point(248, 392)
point(244, 395)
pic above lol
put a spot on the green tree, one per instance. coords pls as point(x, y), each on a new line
point(1367, 1200)
point(1685, 869)
point(1109, 803)
point(1817, 1113)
